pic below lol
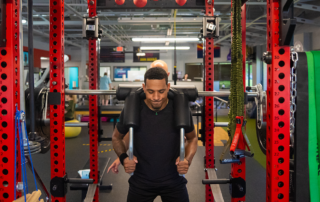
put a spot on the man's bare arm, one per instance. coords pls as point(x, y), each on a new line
point(126, 141)
point(191, 146)
point(118, 143)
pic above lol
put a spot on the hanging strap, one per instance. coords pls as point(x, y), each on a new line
point(19, 117)
point(313, 140)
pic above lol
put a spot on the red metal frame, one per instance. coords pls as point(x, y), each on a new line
point(93, 104)
point(10, 98)
point(57, 83)
point(278, 99)
point(209, 104)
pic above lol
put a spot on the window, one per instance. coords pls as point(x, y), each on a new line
point(193, 72)
point(105, 70)
point(128, 73)
point(71, 75)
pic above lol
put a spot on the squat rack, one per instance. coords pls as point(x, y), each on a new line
point(278, 87)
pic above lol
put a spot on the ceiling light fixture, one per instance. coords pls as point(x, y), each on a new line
point(165, 48)
point(164, 39)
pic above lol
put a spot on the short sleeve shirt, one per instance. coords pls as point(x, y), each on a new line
point(156, 144)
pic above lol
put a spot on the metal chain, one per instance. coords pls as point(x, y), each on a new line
point(293, 92)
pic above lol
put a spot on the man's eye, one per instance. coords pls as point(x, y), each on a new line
point(150, 92)
point(162, 91)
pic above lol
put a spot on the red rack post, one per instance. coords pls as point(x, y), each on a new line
point(209, 104)
point(10, 98)
point(239, 169)
point(57, 86)
point(278, 110)
point(93, 104)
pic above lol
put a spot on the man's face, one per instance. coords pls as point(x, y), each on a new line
point(156, 92)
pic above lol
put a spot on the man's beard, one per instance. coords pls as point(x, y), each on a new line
point(156, 107)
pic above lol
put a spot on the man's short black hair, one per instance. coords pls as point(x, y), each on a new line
point(155, 73)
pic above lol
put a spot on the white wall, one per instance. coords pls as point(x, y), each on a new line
point(43, 45)
point(183, 57)
point(79, 57)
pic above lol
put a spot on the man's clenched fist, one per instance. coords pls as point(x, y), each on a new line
point(130, 165)
point(182, 166)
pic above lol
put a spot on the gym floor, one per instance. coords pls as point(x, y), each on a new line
point(77, 155)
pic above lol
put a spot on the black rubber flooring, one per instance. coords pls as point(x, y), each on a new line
point(77, 155)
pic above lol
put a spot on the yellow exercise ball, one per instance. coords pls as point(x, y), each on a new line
point(71, 132)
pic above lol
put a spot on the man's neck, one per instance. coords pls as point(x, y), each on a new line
point(156, 110)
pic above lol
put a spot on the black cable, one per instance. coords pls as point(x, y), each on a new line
point(31, 66)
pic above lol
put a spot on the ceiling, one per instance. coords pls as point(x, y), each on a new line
point(119, 26)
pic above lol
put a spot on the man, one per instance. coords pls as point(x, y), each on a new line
point(161, 64)
point(156, 164)
point(105, 84)
point(114, 166)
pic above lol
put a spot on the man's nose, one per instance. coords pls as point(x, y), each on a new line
point(156, 96)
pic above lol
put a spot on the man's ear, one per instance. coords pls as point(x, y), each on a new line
point(169, 85)
point(144, 87)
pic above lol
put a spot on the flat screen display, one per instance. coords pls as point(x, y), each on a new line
point(110, 54)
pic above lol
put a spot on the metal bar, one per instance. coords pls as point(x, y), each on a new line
point(222, 100)
point(182, 149)
point(131, 145)
point(113, 92)
point(216, 3)
point(307, 7)
point(56, 49)
point(31, 68)
point(10, 99)
point(278, 130)
point(90, 92)
point(67, 124)
point(91, 192)
point(22, 83)
point(216, 190)
point(104, 170)
point(221, 124)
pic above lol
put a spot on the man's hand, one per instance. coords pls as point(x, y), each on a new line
point(182, 166)
point(114, 166)
point(130, 165)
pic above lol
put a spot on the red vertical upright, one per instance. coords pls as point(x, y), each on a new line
point(209, 104)
point(239, 169)
point(278, 110)
point(56, 49)
point(10, 98)
point(93, 103)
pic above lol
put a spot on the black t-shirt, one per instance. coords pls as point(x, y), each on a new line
point(156, 144)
